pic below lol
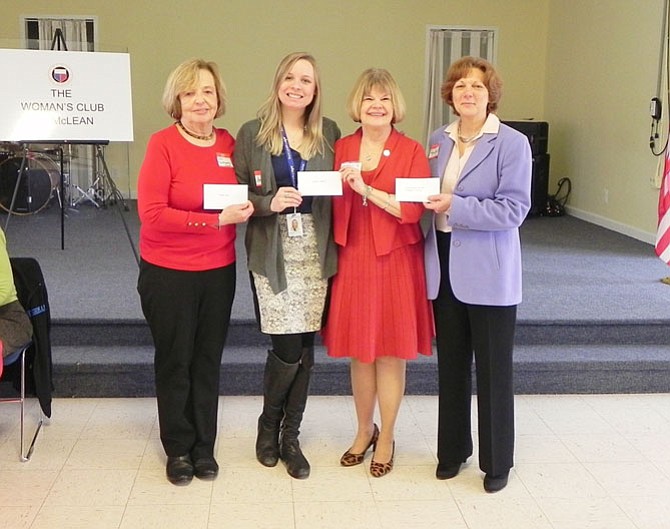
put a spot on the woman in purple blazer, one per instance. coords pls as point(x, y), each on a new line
point(473, 268)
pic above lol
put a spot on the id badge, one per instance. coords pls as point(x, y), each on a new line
point(294, 223)
point(223, 159)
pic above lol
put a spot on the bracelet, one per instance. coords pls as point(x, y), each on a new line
point(387, 204)
point(368, 190)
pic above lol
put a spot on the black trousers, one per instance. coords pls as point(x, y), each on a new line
point(487, 333)
point(188, 314)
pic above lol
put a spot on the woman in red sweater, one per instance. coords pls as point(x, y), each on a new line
point(187, 269)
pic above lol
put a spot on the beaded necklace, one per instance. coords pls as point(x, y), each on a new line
point(196, 136)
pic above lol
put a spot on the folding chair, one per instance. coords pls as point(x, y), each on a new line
point(20, 356)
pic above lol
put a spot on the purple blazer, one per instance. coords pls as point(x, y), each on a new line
point(491, 200)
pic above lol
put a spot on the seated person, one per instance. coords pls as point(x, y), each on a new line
point(15, 327)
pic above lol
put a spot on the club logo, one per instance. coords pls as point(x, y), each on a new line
point(60, 74)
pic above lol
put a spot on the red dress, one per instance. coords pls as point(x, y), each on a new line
point(378, 305)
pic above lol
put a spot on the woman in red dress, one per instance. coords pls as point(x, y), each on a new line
point(378, 315)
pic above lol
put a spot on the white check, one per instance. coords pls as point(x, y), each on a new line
point(416, 189)
point(220, 196)
point(319, 183)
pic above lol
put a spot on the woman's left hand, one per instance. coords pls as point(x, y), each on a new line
point(439, 203)
point(236, 213)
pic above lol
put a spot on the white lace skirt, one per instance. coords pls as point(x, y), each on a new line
point(300, 307)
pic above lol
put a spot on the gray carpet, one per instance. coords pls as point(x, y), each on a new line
point(573, 270)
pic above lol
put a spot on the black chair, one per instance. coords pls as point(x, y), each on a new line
point(30, 369)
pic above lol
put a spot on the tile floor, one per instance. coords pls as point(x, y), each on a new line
point(593, 461)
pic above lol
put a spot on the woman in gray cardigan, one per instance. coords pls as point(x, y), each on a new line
point(290, 249)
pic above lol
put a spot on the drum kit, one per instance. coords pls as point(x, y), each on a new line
point(40, 182)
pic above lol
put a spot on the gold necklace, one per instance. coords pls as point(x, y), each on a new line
point(196, 136)
point(371, 150)
point(368, 156)
point(467, 140)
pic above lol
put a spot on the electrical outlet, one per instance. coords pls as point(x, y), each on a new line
point(606, 196)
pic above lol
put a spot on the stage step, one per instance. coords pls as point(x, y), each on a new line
point(127, 371)
point(99, 332)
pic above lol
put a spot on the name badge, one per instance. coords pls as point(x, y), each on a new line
point(258, 179)
point(294, 225)
point(223, 159)
point(434, 150)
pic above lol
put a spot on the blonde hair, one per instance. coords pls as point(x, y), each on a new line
point(383, 80)
point(184, 77)
point(269, 135)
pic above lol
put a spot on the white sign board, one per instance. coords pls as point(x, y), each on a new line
point(65, 95)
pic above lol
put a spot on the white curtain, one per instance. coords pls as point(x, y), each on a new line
point(74, 33)
point(445, 46)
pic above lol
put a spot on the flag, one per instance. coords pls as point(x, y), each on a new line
point(663, 233)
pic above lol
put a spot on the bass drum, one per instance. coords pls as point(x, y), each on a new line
point(40, 179)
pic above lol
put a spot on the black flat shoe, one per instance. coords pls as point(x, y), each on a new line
point(206, 468)
point(447, 470)
point(495, 483)
point(179, 470)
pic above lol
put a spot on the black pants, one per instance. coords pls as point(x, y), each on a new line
point(487, 332)
point(188, 314)
point(15, 327)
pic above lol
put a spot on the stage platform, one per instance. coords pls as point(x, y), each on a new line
point(595, 316)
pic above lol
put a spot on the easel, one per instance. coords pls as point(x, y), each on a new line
point(111, 192)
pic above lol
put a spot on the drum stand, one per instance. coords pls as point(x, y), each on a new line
point(111, 193)
point(103, 190)
point(82, 194)
point(89, 194)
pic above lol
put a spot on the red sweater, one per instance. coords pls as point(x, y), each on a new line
point(176, 232)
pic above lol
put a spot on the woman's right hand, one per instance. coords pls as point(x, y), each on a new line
point(286, 197)
point(439, 203)
point(352, 176)
point(236, 213)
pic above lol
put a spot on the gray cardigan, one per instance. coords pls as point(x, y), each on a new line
point(264, 250)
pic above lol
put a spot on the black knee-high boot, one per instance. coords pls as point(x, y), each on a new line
point(289, 448)
point(277, 381)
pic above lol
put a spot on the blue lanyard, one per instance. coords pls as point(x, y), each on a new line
point(289, 159)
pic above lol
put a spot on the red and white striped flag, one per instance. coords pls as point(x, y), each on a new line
point(663, 233)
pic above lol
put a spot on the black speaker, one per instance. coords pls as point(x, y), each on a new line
point(537, 133)
point(539, 186)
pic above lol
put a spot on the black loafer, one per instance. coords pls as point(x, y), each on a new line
point(447, 470)
point(179, 470)
point(206, 468)
point(495, 483)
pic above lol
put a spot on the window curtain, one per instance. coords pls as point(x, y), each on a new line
point(74, 32)
point(444, 47)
